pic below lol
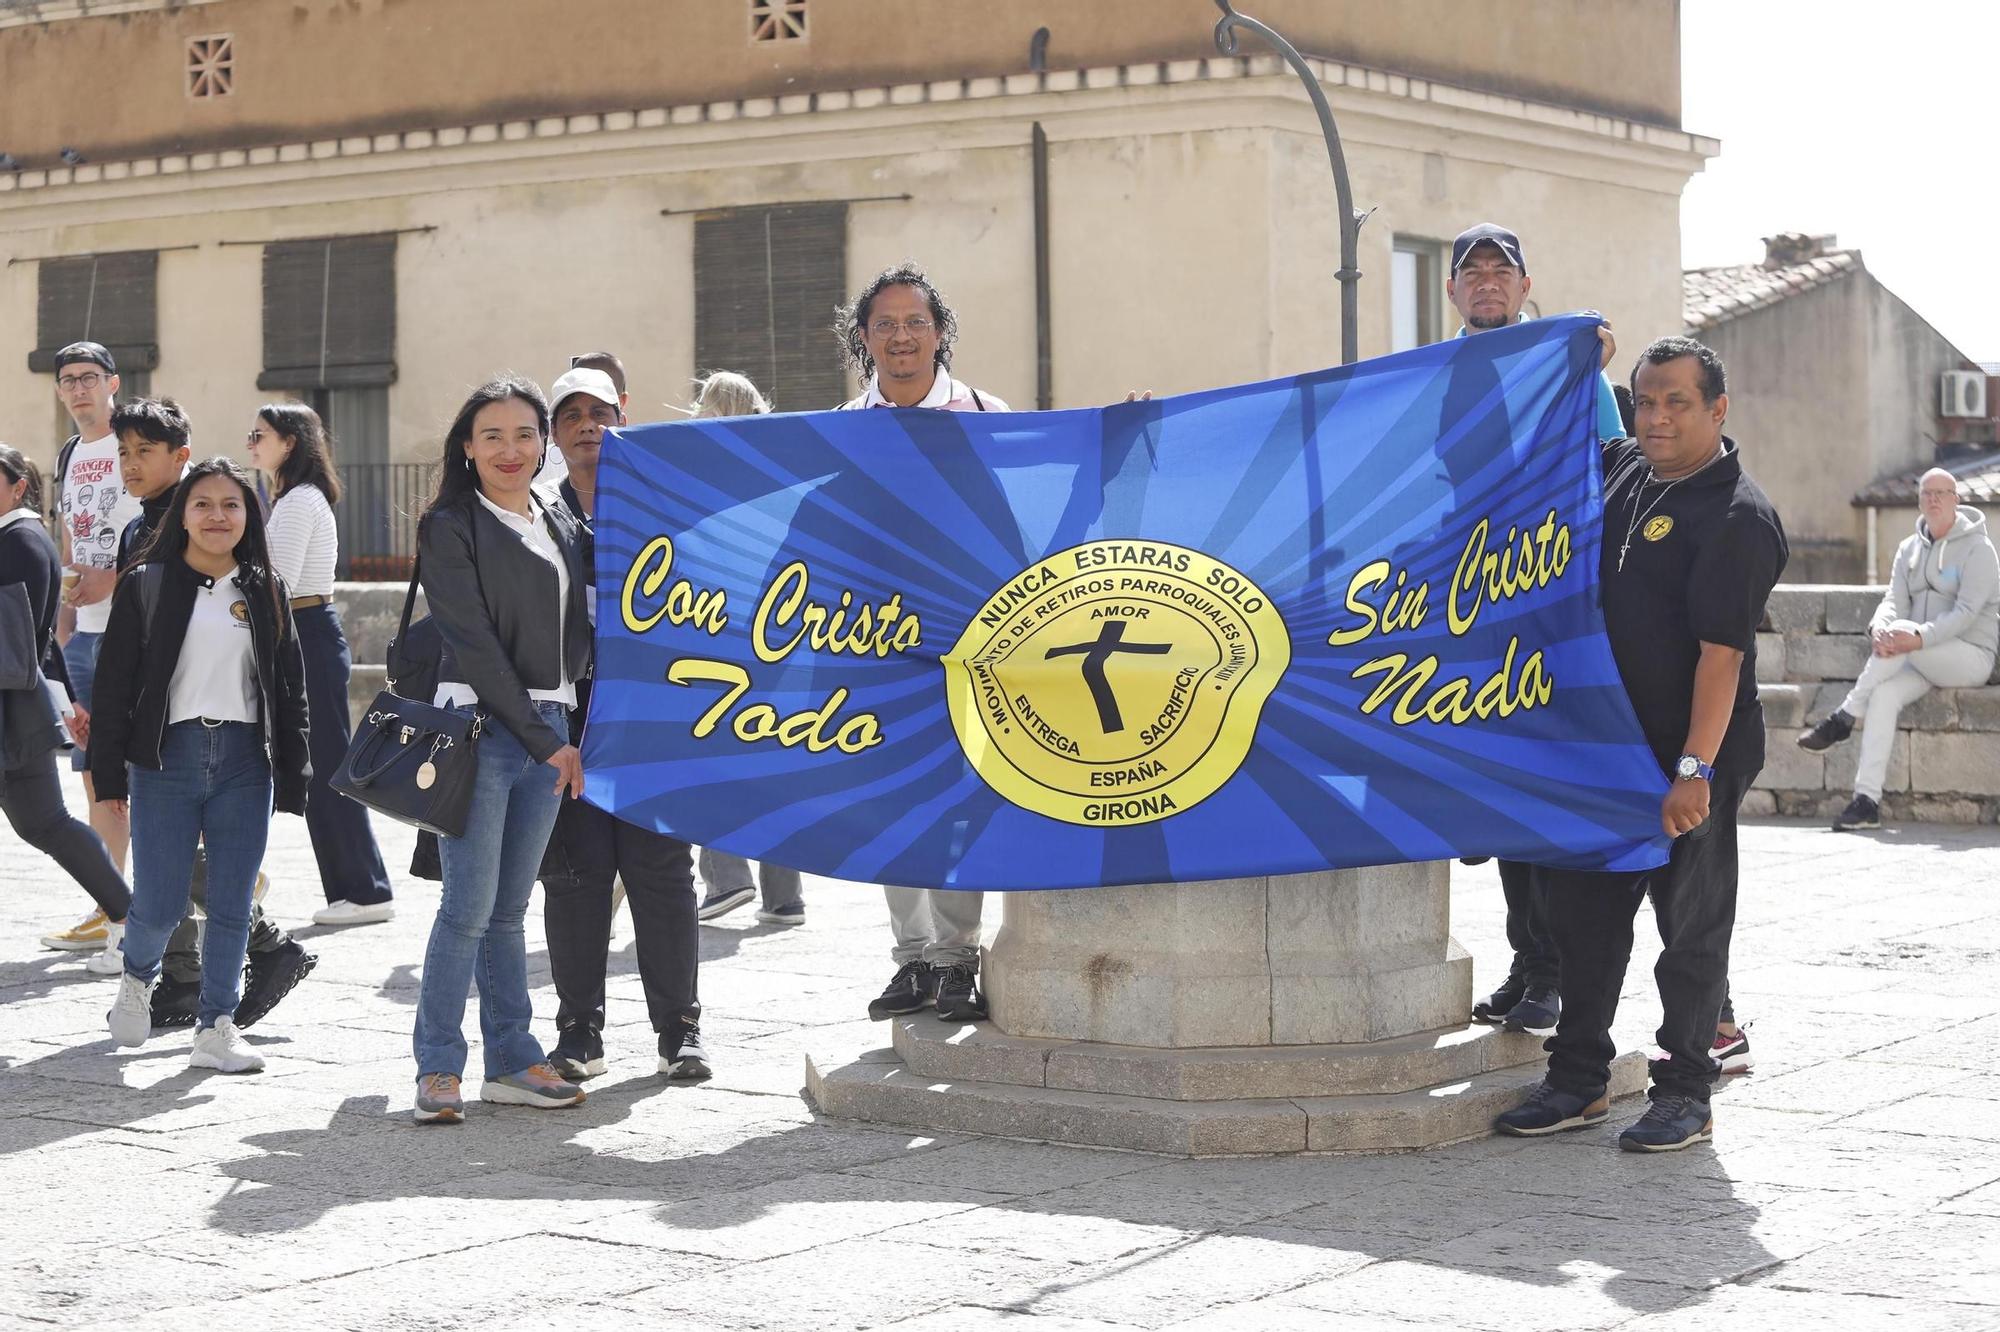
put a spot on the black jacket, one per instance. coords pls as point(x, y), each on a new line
point(28, 556)
point(492, 599)
point(138, 533)
point(135, 672)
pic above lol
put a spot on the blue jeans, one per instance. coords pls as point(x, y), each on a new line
point(80, 661)
point(213, 788)
point(488, 874)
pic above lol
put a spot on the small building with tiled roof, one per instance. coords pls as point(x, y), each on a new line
point(1836, 387)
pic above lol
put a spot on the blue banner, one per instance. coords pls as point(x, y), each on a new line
point(1347, 618)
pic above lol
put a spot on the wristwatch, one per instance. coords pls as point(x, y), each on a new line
point(1688, 767)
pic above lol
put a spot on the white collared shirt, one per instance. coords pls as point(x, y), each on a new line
point(947, 394)
point(536, 536)
point(216, 676)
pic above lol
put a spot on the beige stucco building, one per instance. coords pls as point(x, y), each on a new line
point(1838, 398)
point(682, 181)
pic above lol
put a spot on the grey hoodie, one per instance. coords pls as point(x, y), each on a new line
point(1950, 587)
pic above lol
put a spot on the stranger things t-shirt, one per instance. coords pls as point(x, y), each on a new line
point(1700, 558)
point(93, 510)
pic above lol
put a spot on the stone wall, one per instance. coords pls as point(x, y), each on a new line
point(1945, 765)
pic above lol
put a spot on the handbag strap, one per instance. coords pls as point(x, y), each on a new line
point(417, 569)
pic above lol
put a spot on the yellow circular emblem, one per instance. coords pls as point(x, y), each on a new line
point(1116, 682)
point(241, 610)
point(1657, 528)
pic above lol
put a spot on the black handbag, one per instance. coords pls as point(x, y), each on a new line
point(412, 761)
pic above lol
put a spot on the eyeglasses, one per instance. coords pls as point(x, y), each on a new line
point(916, 326)
point(1931, 492)
point(71, 383)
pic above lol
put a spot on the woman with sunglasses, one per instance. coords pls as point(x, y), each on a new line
point(289, 446)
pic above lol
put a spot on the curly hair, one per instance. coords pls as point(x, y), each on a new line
point(852, 319)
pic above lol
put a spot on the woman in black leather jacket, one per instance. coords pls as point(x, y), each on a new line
point(30, 734)
point(503, 571)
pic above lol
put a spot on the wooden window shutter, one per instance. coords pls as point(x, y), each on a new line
point(767, 281)
point(330, 313)
point(106, 298)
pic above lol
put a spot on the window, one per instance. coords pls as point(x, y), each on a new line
point(777, 20)
point(107, 298)
point(330, 314)
point(211, 67)
point(766, 282)
point(330, 341)
point(1416, 293)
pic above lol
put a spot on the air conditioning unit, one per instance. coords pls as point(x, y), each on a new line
point(1962, 393)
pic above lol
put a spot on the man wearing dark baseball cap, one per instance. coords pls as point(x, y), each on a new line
point(1488, 286)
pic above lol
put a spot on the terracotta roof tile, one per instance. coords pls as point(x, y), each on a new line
point(1712, 295)
point(1978, 481)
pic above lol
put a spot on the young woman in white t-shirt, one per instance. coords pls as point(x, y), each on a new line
point(289, 445)
point(201, 722)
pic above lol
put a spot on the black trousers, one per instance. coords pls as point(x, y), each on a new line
point(350, 864)
point(31, 795)
point(1535, 962)
point(588, 850)
point(1590, 917)
point(182, 961)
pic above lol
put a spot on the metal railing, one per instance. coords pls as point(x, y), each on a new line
point(377, 515)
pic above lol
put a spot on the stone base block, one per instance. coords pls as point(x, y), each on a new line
point(980, 1053)
point(891, 1093)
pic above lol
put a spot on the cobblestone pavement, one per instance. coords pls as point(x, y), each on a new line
point(1854, 1182)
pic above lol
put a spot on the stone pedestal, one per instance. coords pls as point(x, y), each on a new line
point(1312, 1012)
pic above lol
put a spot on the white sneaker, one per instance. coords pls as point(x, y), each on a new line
point(131, 1015)
point(345, 912)
point(223, 1047)
point(111, 961)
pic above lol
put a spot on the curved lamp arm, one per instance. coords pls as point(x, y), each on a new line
point(1349, 272)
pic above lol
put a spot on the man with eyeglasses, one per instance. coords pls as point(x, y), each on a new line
point(92, 508)
point(1937, 627)
point(899, 334)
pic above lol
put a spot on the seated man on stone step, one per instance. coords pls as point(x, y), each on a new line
point(1937, 627)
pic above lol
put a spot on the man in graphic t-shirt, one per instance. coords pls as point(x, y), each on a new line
point(92, 509)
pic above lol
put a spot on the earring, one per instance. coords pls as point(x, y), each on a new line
point(468, 464)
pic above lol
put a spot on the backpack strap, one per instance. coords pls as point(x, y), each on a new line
point(977, 401)
point(62, 467)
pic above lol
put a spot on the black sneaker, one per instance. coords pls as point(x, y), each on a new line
point(1538, 1012)
point(958, 996)
point(912, 988)
point(272, 976)
point(1861, 813)
point(1496, 1006)
point(722, 903)
point(1836, 728)
point(681, 1057)
point(1731, 1053)
point(579, 1053)
point(1670, 1123)
point(1551, 1110)
point(175, 1003)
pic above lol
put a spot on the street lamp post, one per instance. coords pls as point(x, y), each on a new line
point(1350, 221)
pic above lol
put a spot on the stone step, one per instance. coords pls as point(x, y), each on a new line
point(933, 1049)
point(890, 1093)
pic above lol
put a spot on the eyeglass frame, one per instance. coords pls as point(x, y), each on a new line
point(71, 383)
point(916, 326)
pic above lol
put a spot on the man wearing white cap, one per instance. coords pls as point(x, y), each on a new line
point(591, 849)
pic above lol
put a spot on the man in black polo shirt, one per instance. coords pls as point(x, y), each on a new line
point(1690, 550)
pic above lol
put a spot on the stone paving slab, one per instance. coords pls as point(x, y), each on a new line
point(1854, 1183)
